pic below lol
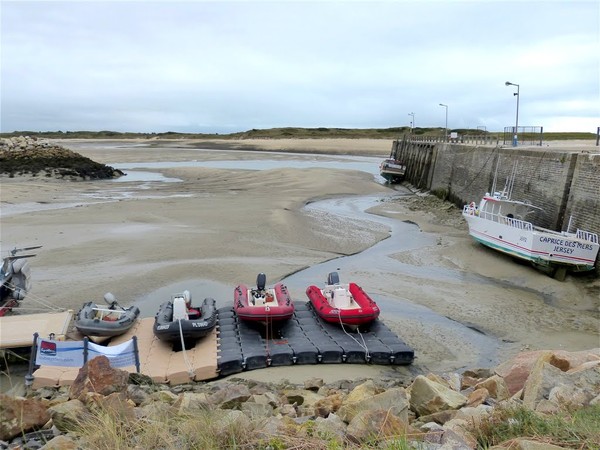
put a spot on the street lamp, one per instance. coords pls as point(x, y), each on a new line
point(446, 129)
point(516, 134)
point(412, 124)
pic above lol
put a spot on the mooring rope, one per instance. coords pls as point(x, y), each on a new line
point(363, 345)
point(35, 298)
point(185, 358)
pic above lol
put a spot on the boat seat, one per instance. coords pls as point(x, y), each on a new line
point(179, 309)
point(341, 298)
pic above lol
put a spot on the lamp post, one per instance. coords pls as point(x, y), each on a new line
point(445, 129)
point(516, 134)
point(412, 123)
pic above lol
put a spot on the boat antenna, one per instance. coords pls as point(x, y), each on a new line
point(495, 177)
point(512, 179)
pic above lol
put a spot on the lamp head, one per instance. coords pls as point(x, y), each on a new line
point(508, 83)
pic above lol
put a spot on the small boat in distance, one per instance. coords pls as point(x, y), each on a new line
point(392, 170)
point(114, 320)
point(16, 279)
point(346, 304)
point(177, 319)
point(262, 304)
point(502, 224)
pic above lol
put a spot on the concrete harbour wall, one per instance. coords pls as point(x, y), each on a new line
point(565, 183)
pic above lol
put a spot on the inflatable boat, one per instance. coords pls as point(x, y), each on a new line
point(178, 319)
point(262, 304)
point(346, 304)
point(15, 277)
point(111, 320)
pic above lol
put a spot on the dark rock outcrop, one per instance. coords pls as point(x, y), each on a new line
point(23, 156)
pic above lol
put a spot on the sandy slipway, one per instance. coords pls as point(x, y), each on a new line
point(133, 239)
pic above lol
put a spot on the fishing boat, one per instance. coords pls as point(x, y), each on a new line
point(111, 320)
point(392, 170)
point(503, 224)
point(178, 320)
point(16, 279)
point(262, 304)
point(346, 304)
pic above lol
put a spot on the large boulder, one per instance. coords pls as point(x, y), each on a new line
point(98, 376)
point(20, 415)
point(428, 397)
point(516, 370)
point(393, 400)
point(549, 389)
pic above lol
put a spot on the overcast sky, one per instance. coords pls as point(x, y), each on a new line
point(224, 66)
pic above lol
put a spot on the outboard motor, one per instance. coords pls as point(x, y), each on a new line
point(110, 300)
point(333, 278)
point(261, 281)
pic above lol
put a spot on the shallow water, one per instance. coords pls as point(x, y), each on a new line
point(404, 236)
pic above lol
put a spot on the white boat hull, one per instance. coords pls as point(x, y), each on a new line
point(541, 247)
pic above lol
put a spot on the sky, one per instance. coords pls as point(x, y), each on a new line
point(225, 66)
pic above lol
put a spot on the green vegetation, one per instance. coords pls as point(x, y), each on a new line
point(283, 133)
point(116, 427)
point(579, 429)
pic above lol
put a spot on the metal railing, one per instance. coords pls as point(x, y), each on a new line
point(478, 139)
point(498, 218)
point(587, 236)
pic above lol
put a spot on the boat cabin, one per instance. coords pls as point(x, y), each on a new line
point(498, 208)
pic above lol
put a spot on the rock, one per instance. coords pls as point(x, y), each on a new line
point(546, 378)
point(116, 405)
point(467, 382)
point(328, 405)
point(98, 376)
point(496, 387)
point(231, 397)
point(477, 397)
point(427, 397)
point(439, 417)
point(393, 400)
point(375, 424)
point(457, 435)
point(516, 370)
point(67, 416)
point(26, 156)
point(525, 444)
point(257, 410)
point(165, 396)
point(313, 384)
point(191, 402)
point(331, 427)
point(60, 442)
point(302, 397)
point(20, 415)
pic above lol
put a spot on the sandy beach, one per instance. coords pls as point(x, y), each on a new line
point(224, 226)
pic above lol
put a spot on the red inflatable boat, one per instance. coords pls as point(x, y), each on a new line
point(347, 304)
point(261, 304)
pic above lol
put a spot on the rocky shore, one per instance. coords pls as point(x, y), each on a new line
point(26, 156)
point(434, 411)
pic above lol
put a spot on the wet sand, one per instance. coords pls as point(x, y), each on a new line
point(226, 226)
